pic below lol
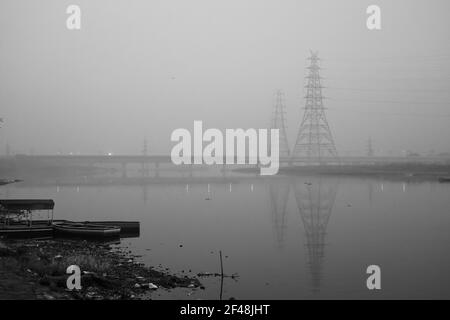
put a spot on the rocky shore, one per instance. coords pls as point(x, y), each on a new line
point(36, 269)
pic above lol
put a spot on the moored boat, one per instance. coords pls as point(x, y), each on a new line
point(85, 230)
point(16, 218)
point(444, 179)
point(128, 229)
point(125, 226)
point(21, 231)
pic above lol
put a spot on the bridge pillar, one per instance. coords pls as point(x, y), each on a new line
point(145, 169)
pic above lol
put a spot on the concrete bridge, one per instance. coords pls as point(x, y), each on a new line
point(166, 159)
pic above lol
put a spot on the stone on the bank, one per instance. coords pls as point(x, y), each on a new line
point(152, 286)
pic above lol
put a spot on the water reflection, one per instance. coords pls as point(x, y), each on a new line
point(370, 186)
point(278, 195)
point(144, 193)
point(247, 209)
point(315, 200)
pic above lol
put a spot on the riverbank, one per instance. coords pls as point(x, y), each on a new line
point(36, 269)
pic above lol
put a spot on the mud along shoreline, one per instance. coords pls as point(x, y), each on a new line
point(36, 269)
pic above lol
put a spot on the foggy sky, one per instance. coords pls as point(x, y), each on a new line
point(144, 68)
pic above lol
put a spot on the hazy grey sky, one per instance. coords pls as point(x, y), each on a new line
point(145, 68)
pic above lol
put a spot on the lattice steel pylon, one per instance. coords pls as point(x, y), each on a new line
point(314, 141)
point(279, 122)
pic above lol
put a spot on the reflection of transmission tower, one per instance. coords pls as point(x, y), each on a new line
point(279, 122)
point(315, 203)
point(314, 140)
point(279, 194)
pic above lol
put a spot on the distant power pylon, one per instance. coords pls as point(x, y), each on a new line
point(279, 122)
point(314, 141)
point(145, 147)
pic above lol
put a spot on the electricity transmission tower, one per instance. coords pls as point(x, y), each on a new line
point(145, 147)
point(314, 141)
point(279, 122)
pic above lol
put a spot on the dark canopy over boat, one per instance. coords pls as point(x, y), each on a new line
point(16, 218)
point(27, 204)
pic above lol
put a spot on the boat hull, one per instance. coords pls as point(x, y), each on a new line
point(127, 228)
point(83, 230)
point(26, 232)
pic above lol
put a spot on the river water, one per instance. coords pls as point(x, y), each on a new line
point(284, 237)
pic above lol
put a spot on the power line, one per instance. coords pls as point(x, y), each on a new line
point(390, 58)
point(378, 77)
point(388, 90)
point(400, 114)
point(392, 101)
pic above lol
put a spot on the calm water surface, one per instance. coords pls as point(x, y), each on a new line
point(286, 238)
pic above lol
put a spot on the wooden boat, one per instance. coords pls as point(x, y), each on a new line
point(128, 229)
point(16, 220)
point(35, 222)
point(21, 231)
point(125, 226)
point(85, 230)
point(444, 179)
point(13, 209)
